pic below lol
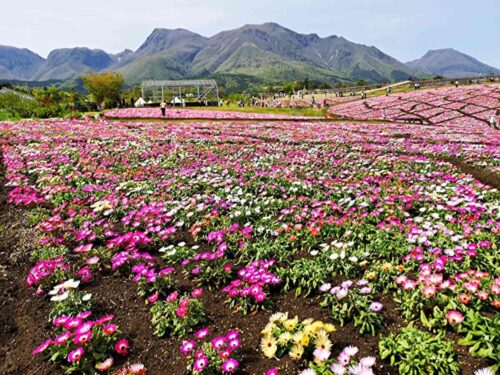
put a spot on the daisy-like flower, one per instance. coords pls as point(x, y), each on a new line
point(121, 347)
point(42, 347)
point(484, 371)
point(454, 317)
point(202, 333)
point(376, 306)
point(136, 368)
point(323, 341)
point(106, 365)
point(187, 347)
point(296, 352)
point(308, 371)
point(218, 343)
point(268, 346)
point(76, 355)
point(367, 361)
point(321, 355)
point(200, 364)
point(338, 369)
point(109, 329)
point(350, 350)
point(234, 344)
point(359, 370)
point(230, 365)
point(285, 338)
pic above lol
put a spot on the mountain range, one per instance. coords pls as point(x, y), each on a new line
point(253, 53)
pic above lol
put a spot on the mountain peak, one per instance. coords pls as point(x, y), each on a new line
point(448, 62)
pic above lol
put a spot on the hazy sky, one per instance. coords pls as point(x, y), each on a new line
point(405, 29)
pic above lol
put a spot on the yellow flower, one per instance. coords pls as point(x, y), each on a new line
point(278, 317)
point(386, 267)
point(298, 336)
point(284, 338)
point(329, 328)
point(296, 352)
point(322, 341)
point(317, 325)
point(268, 329)
point(290, 324)
point(268, 346)
point(305, 341)
point(371, 275)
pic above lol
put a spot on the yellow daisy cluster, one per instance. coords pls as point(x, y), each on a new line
point(283, 335)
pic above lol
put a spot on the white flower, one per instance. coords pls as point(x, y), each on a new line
point(87, 297)
point(484, 371)
point(60, 297)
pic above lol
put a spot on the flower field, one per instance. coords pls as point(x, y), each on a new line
point(266, 247)
point(190, 114)
point(471, 105)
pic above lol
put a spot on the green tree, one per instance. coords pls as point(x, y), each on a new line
point(105, 88)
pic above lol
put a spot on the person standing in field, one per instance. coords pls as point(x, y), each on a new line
point(163, 107)
point(494, 121)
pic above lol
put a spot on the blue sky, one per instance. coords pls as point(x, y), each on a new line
point(402, 28)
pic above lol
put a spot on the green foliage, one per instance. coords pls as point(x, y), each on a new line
point(482, 335)
point(166, 319)
point(416, 352)
point(104, 87)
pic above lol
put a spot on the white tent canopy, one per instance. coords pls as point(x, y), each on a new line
point(140, 103)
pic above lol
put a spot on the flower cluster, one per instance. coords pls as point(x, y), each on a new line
point(248, 292)
point(284, 335)
point(353, 300)
point(215, 356)
point(85, 345)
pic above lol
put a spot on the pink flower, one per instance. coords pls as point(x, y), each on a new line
point(272, 371)
point(230, 365)
point(187, 347)
point(197, 293)
point(172, 297)
point(76, 355)
point(218, 343)
point(106, 365)
point(41, 348)
point(454, 317)
point(62, 339)
point(200, 364)
point(109, 329)
point(202, 333)
point(181, 312)
point(121, 347)
point(83, 338)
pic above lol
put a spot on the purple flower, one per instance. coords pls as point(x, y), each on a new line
point(200, 364)
point(230, 365)
point(375, 306)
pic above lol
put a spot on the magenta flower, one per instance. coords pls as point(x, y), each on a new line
point(109, 329)
point(202, 333)
point(121, 347)
point(41, 348)
point(230, 365)
point(272, 371)
point(200, 364)
point(76, 355)
point(197, 293)
point(187, 347)
point(218, 343)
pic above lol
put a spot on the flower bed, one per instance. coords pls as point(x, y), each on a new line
point(198, 114)
point(471, 105)
point(274, 247)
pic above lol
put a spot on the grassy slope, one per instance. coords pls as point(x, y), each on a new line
point(277, 111)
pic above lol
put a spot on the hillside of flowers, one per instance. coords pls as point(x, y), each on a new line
point(472, 104)
point(249, 248)
point(189, 114)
